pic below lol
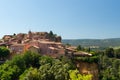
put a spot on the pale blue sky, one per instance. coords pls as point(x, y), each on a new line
point(71, 19)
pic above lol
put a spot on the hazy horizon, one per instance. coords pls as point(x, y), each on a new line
point(71, 19)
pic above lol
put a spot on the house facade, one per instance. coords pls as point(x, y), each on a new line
point(40, 42)
point(17, 48)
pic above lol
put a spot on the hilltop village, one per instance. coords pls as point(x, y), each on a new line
point(45, 43)
point(87, 62)
point(40, 42)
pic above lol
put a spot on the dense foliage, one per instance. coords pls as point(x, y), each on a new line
point(4, 53)
point(109, 65)
point(109, 69)
point(32, 66)
point(74, 75)
point(93, 59)
point(11, 70)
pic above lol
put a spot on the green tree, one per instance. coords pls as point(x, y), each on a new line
point(32, 66)
point(4, 53)
point(110, 52)
point(75, 75)
point(117, 53)
point(11, 70)
point(79, 48)
point(50, 69)
point(31, 59)
point(45, 59)
point(51, 33)
point(30, 74)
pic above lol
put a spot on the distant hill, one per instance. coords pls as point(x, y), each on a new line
point(112, 42)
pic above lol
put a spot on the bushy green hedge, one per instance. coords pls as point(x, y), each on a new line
point(88, 59)
point(32, 66)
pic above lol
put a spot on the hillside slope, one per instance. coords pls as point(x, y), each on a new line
point(113, 42)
